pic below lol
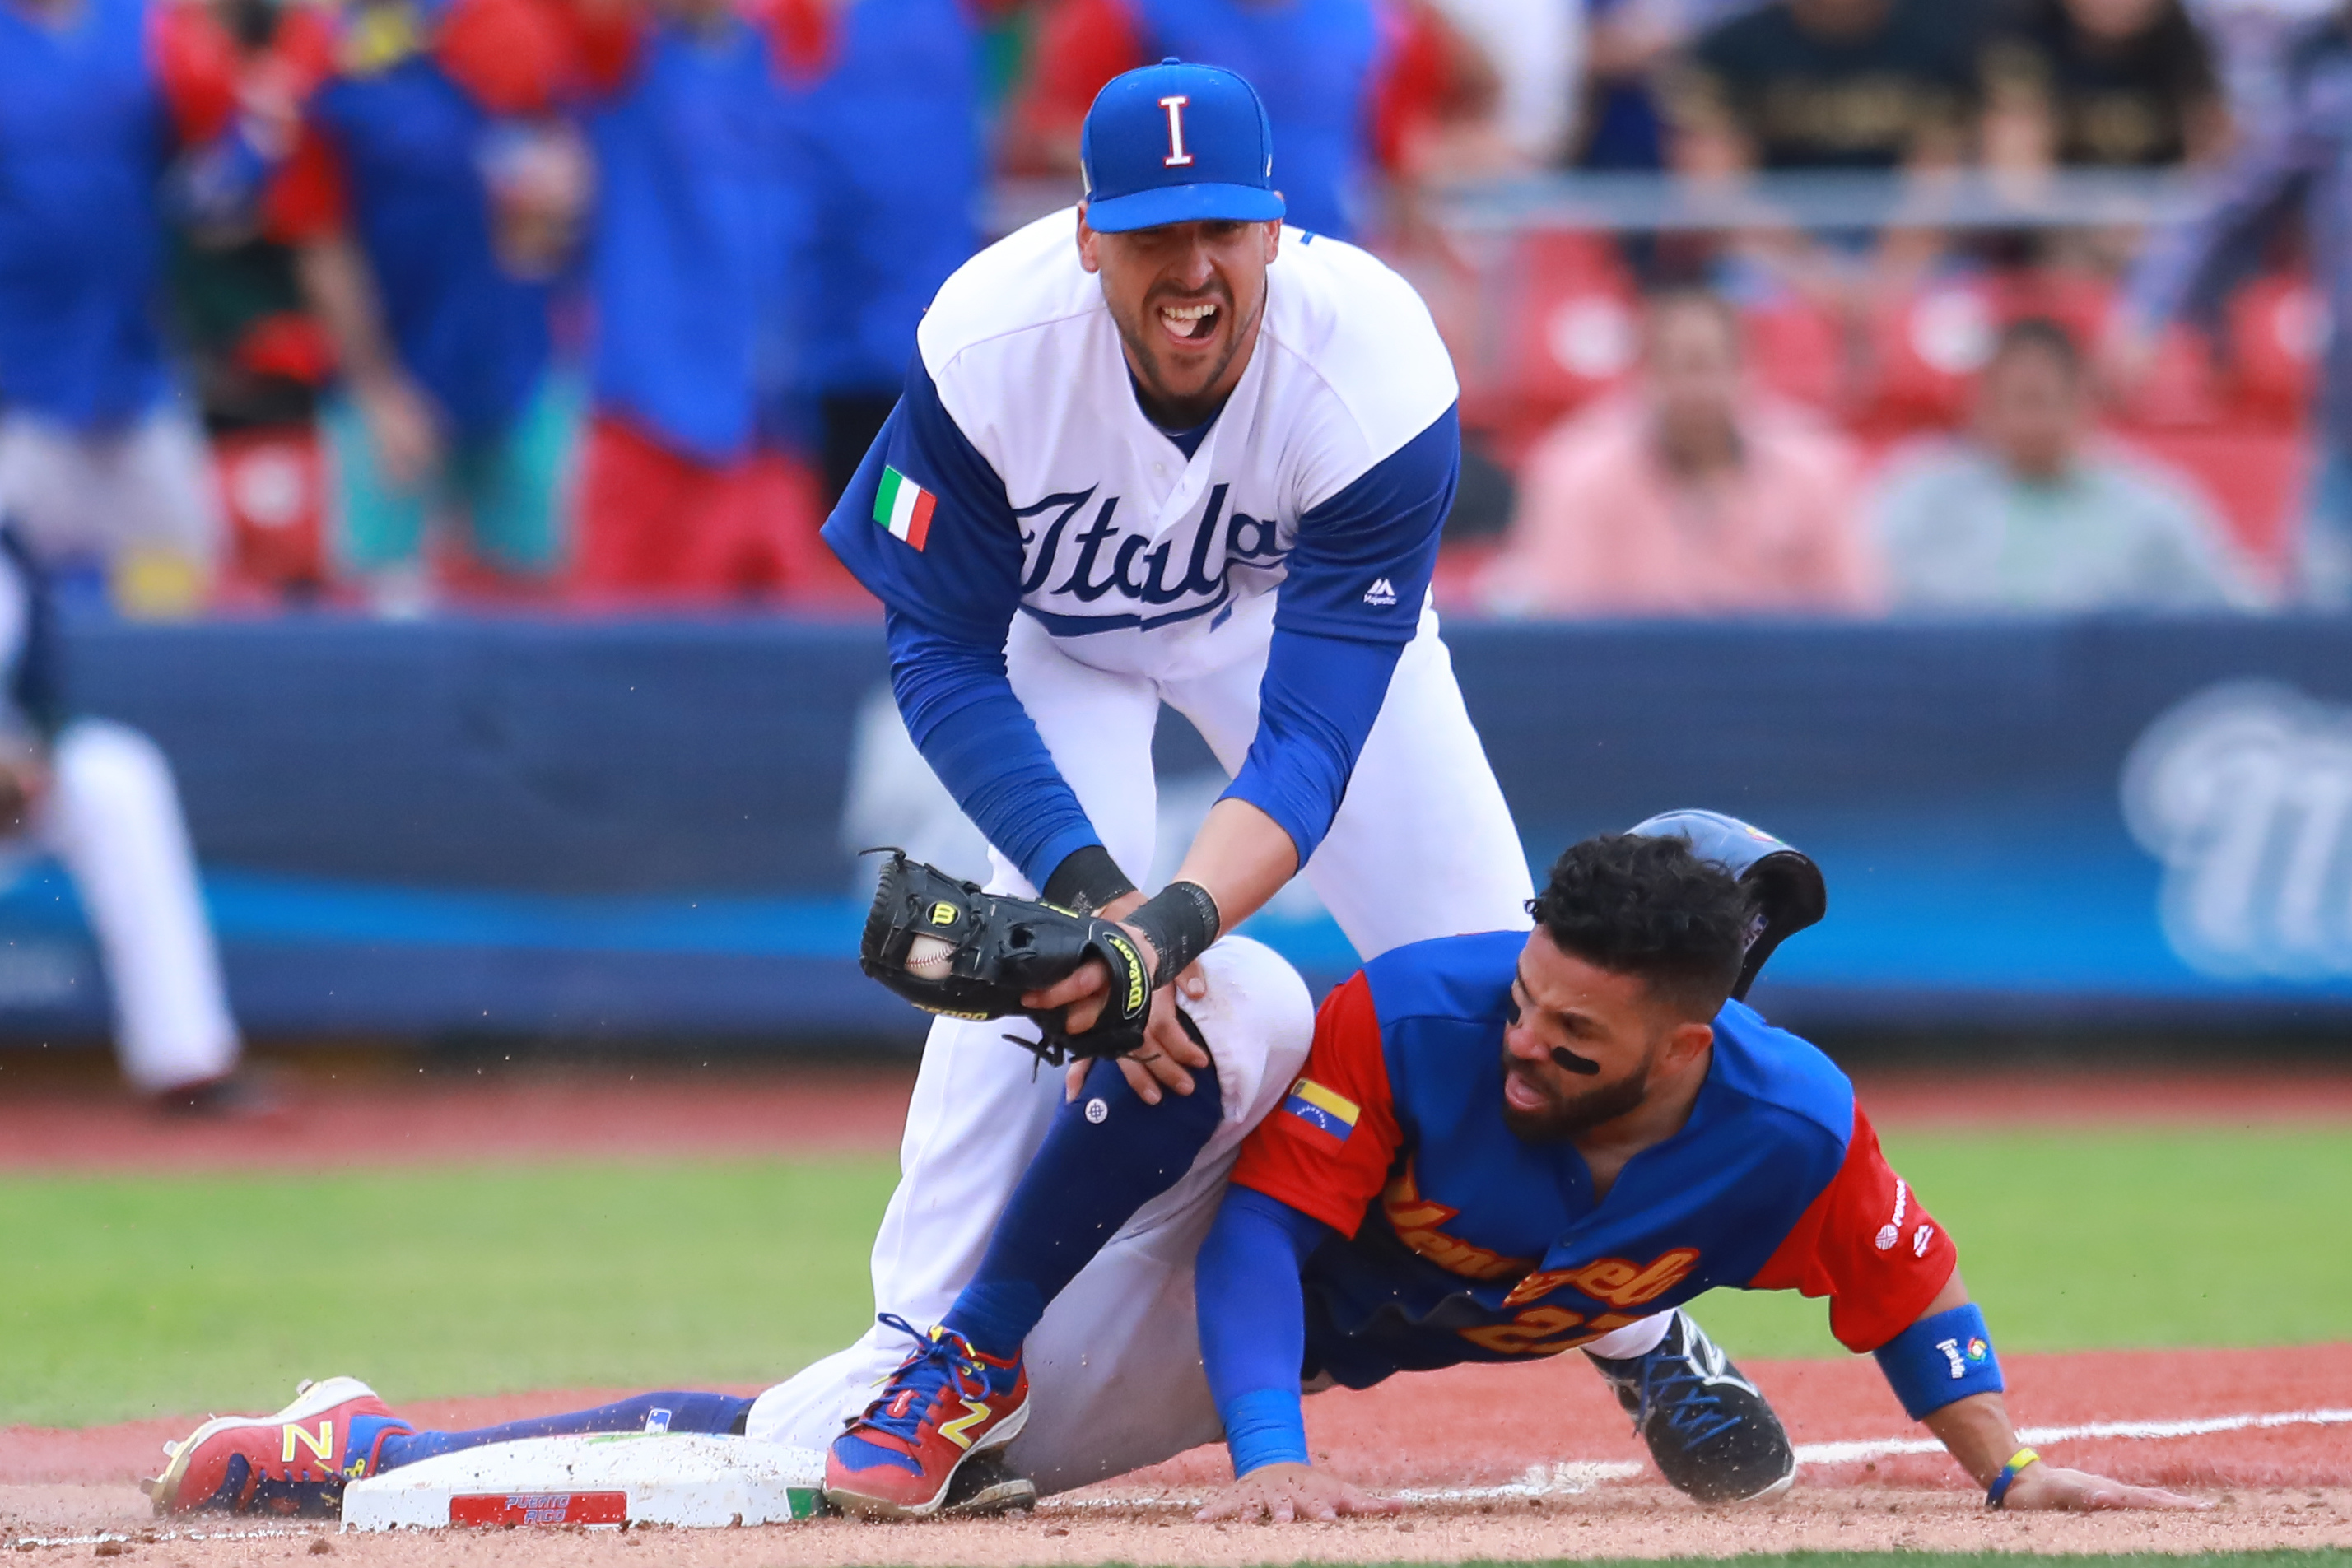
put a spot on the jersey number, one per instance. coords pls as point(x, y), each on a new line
point(1543, 1331)
point(1177, 157)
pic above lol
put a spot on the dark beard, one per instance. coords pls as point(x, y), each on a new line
point(1148, 353)
point(1562, 1120)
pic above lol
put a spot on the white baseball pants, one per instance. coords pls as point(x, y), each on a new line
point(1423, 846)
point(112, 816)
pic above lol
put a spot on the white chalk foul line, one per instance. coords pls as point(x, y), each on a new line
point(149, 1538)
point(1581, 1476)
point(1886, 1447)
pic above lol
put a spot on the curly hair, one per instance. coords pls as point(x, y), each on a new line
point(1648, 906)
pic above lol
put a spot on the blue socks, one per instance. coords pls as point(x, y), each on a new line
point(1106, 1154)
point(718, 1413)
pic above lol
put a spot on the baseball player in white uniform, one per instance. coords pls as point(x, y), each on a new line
point(1157, 449)
point(100, 796)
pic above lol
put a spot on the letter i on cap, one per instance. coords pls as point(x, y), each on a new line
point(1176, 144)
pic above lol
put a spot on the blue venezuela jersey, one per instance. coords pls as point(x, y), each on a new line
point(1455, 1241)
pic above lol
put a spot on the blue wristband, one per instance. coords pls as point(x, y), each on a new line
point(1265, 1426)
point(1939, 1360)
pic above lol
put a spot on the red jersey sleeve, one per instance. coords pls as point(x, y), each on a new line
point(513, 56)
point(606, 36)
point(1327, 1148)
point(306, 200)
point(1869, 1245)
point(803, 38)
point(1081, 45)
point(1412, 81)
point(197, 68)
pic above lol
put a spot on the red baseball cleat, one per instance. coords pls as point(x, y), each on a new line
point(295, 1462)
point(946, 1404)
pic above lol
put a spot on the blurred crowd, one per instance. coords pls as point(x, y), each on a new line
point(399, 303)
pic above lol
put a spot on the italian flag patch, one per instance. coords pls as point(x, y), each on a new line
point(904, 507)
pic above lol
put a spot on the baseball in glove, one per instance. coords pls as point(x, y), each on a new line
point(949, 947)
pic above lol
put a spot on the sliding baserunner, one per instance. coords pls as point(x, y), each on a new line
point(1500, 1147)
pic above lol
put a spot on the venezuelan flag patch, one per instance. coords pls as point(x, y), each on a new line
point(1325, 1110)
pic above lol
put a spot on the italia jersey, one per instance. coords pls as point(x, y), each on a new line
point(1020, 476)
point(1024, 473)
point(1455, 1241)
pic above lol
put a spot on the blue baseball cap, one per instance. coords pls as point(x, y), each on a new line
point(1175, 143)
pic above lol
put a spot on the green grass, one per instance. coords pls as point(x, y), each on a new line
point(2104, 1240)
point(2323, 1557)
point(126, 1296)
point(131, 1296)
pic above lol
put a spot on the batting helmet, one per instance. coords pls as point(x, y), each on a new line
point(1784, 886)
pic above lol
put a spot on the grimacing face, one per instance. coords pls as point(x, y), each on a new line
point(1611, 1021)
point(1186, 298)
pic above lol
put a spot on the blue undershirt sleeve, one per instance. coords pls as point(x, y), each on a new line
point(1349, 603)
point(1252, 1317)
point(961, 710)
point(926, 527)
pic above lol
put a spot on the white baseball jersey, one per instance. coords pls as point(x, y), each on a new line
point(1267, 578)
point(1019, 474)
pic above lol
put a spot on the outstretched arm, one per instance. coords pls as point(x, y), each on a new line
point(1253, 1340)
point(1892, 1277)
point(1348, 607)
point(1975, 1429)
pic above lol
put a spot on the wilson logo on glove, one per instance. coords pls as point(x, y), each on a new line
point(952, 948)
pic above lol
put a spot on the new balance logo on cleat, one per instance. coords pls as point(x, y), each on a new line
point(1381, 592)
point(947, 1403)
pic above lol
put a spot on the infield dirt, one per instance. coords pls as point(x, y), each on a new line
point(1485, 1440)
point(1472, 1434)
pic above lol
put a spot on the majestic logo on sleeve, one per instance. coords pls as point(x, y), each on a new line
point(1084, 572)
point(1892, 1231)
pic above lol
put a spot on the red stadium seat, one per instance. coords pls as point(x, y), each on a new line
point(1927, 348)
point(2276, 326)
point(273, 489)
point(2180, 391)
point(2253, 476)
point(1794, 351)
point(1576, 333)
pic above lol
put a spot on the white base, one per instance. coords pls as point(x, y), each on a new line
point(610, 1479)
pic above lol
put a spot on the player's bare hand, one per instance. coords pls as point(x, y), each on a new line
point(1288, 1493)
point(1168, 1054)
point(2047, 1486)
point(402, 429)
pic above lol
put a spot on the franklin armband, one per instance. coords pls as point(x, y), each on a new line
point(1939, 1360)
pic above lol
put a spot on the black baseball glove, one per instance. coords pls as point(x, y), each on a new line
point(949, 947)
